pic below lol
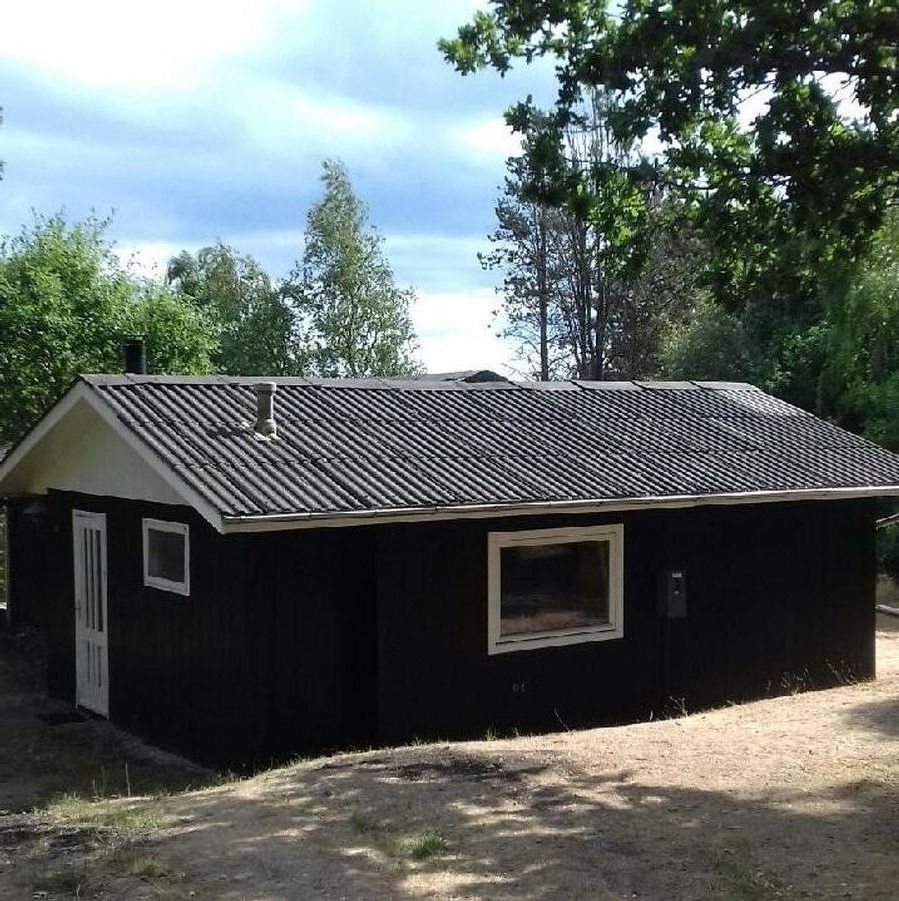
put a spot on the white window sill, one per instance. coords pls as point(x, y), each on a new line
point(164, 585)
point(555, 639)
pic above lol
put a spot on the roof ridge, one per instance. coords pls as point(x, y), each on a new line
point(381, 383)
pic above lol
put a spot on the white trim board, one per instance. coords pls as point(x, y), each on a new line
point(81, 392)
point(281, 522)
point(612, 534)
point(176, 528)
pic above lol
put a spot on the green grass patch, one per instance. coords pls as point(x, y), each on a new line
point(418, 845)
point(74, 809)
point(422, 845)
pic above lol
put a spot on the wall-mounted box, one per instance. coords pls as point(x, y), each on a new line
point(672, 602)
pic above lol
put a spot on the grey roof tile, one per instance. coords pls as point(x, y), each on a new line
point(348, 446)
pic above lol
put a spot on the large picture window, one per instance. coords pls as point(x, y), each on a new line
point(554, 587)
point(167, 555)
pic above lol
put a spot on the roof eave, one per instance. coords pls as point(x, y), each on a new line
point(284, 521)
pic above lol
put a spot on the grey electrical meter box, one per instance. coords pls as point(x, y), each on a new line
point(673, 594)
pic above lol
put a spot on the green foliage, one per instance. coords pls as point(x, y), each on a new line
point(63, 303)
point(66, 303)
point(658, 294)
point(860, 382)
point(354, 321)
point(179, 338)
point(774, 122)
point(711, 344)
point(526, 249)
point(881, 418)
point(254, 324)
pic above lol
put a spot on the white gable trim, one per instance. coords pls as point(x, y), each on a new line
point(485, 511)
point(81, 392)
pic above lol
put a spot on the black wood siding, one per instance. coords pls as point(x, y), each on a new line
point(272, 652)
point(314, 595)
point(780, 596)
point(28, 542)
point(305, 640)
point(181, 668)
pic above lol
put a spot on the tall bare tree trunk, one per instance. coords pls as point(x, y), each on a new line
point(600, 328)
point(543, 293)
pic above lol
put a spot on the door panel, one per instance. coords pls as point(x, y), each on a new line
point(91, 613)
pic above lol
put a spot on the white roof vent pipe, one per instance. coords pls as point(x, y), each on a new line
point(266, 427)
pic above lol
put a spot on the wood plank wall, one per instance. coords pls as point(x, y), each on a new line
point(307, 640)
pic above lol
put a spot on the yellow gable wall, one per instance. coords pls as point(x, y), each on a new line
point(83, 453)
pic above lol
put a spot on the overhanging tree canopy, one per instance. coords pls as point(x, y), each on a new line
point(775, 118)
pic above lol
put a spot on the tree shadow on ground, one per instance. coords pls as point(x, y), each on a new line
point(535, 822)
point(881, 717)
point(530, 826)
point(46, 750)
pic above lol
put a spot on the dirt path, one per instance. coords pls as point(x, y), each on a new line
point(791, 798)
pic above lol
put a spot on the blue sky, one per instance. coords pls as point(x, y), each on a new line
point(198, 120)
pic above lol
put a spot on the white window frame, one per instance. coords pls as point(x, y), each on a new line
point(180, 528)
point(613, 535)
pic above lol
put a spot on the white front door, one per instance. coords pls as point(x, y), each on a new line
point(91, 636)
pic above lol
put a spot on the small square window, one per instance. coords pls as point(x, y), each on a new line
point(167, 556)
point(554, 587)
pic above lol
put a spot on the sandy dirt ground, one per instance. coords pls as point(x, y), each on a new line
point(794, 797)
point(47, 749)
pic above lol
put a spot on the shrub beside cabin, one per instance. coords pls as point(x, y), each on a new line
point(237, 571)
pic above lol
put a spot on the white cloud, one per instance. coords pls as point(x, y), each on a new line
point(199, 119)
point(115, 45)
point(339, 116)
point(489, 140)
point(279, 118)
point(457, 331)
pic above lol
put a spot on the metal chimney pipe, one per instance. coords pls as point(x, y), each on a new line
point(266, 426)
point(135, 356)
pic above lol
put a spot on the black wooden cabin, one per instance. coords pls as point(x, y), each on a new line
point(238, 576)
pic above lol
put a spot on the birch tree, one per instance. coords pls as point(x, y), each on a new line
point(354, 320)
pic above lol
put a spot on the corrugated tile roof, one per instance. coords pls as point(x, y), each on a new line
point(347, 446)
